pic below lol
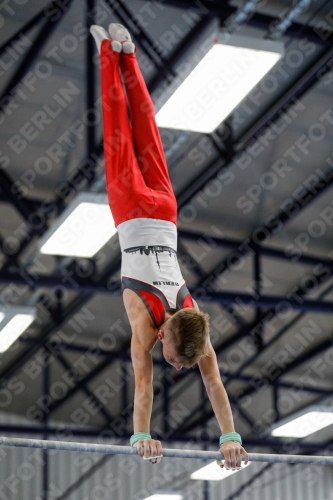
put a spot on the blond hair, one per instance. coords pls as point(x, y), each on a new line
point(190, 335)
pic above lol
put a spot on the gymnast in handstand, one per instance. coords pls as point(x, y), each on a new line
point(144, 209)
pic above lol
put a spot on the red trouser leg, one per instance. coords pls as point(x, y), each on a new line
point(137, 178)
point(128, 194)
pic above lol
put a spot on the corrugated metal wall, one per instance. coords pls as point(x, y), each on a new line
point(277, 482)
point(83, 476)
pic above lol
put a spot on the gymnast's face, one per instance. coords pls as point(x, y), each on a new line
point(169, 352)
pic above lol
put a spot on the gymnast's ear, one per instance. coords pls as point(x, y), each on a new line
point(160, 334)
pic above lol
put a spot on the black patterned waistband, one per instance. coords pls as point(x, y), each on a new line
point(154, 249)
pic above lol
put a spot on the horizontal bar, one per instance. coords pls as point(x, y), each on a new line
point(59, 432)
point(108, 449)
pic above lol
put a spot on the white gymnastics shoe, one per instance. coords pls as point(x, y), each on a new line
point(101, 34)
point(119, 33)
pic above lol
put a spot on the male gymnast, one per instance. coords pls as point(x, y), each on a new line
point(144, 209)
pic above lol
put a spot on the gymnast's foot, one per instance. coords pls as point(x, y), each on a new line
point(119, 33)
point(101, 34)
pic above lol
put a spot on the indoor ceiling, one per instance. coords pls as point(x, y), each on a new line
point(255, 218)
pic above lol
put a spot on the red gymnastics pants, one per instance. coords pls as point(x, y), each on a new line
point(137, 177)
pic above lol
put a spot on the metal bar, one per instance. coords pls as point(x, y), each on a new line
point(168, 453)
point(274, 443)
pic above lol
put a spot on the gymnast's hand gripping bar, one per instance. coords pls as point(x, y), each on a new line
point(108, 449)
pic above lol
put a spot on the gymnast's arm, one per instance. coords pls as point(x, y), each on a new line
point(210, 373)
point(143, 395)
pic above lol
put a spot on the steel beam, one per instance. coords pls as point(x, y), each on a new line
point(41, 38)
point(320, 348)
point(271, 341)
point(142, 39)
point(28, 26)
point(90, 78)
point(101, 408)
point(22, 205)
point(257, 20)
point(181, 48)
point(267, 251)
point(74, 306)
point(282, 303)
point(258, 333)
point(117, 355)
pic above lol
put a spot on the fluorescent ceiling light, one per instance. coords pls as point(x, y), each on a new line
point(165, 496)
point(305, 425)
point(82, 229)
point(220, 81)
point(213, 472)
point(13, 322)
